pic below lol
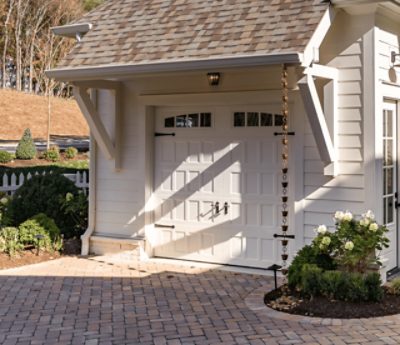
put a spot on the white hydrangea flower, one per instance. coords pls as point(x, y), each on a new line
point(374, 227)
point(348, 216)
point(4, 201)
point(322, 229)
point(326, 241)
point(339, 215)
point(365, 222)
point(349, 245)
point(369, 215)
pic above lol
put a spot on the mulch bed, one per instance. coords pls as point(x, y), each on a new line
point(29, 257)
point(325, 308)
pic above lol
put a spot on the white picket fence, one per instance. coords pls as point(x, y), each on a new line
point(11, 183)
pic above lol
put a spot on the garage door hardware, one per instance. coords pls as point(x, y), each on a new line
point(226, 206)
point(164, 226)
point(282, 133)
point(157, 134)
point(217, 208)
point(284, 236)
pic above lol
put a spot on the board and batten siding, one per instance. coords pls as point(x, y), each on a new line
point(323, 195)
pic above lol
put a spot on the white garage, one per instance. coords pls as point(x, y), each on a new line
point(217, 184)
point(212, 192)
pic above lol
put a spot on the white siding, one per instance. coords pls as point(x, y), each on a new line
point(323, 195)
point(120, 195)
point(388, 41)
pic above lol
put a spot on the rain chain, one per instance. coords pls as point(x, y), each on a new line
point(285, 170)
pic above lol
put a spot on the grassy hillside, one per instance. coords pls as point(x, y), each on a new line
point(19, 110)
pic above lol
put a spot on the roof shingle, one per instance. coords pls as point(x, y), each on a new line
point(150, 31)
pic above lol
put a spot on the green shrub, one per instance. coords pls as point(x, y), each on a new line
point(307, 255)
point(6, 157)
point(311, 280)
point(357, 290)
point(71, 152)
point(373, 284)
point(44, 194)
point(339, 285)
point(52, 154)
point(394, 286)
point(9, 241)
point(4, 204)
point(331, 283)
point(76, 207)
point(48, 224)
point(42, 226)
point(26, 148)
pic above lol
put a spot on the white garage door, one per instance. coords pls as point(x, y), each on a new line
point(217, 184)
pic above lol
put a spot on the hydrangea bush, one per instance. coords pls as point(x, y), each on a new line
point(342, 263)
point(356, 243)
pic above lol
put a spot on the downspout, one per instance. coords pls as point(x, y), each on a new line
point(92, 189)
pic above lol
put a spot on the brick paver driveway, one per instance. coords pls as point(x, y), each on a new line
point(87, 301)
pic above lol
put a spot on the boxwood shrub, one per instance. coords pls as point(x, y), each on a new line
point(43, 226)
point(6, 157)
point(71, 152)
point(340, 285)
point(52, 154)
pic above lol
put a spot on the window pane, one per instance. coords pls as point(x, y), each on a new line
point(388, 146)
point(252, 119)
point(192, 120)
point(278, 120)
point(181, 121)
point(389, 181)
point(266, 119)
point(205, 120)
point(390, 209)
point(384, 123)
point(239, 119)
point(169, 122)
point(389, 124)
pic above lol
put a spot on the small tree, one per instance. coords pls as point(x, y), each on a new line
point(26, 148)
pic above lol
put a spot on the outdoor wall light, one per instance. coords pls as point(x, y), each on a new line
point(213, 78)
point(394, 55)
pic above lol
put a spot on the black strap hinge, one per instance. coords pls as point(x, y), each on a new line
point(281, 133)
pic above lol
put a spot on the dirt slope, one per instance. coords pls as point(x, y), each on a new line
point(19, 110)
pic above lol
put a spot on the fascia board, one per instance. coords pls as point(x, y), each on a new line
point(115, 71)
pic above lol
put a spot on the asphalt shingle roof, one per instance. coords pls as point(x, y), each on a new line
point(150, 31)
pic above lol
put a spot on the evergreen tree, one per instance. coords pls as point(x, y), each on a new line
point(26, 148)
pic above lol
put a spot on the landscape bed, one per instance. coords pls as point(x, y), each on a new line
point(323, 307)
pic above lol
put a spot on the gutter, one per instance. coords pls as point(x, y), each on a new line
point(101, 72)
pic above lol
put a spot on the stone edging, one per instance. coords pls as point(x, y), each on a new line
point(255, 302)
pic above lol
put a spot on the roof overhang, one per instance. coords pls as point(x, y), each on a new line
point(119, 71)
point(356, 7)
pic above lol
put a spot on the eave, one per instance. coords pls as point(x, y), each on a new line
point(116, 71)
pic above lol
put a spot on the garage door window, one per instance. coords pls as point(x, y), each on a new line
point(189, 120)
point(256, 119)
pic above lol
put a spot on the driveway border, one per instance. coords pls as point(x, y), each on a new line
point(255, 302)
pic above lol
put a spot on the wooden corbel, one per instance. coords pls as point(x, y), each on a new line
point(110, 149)
point(326, 139)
